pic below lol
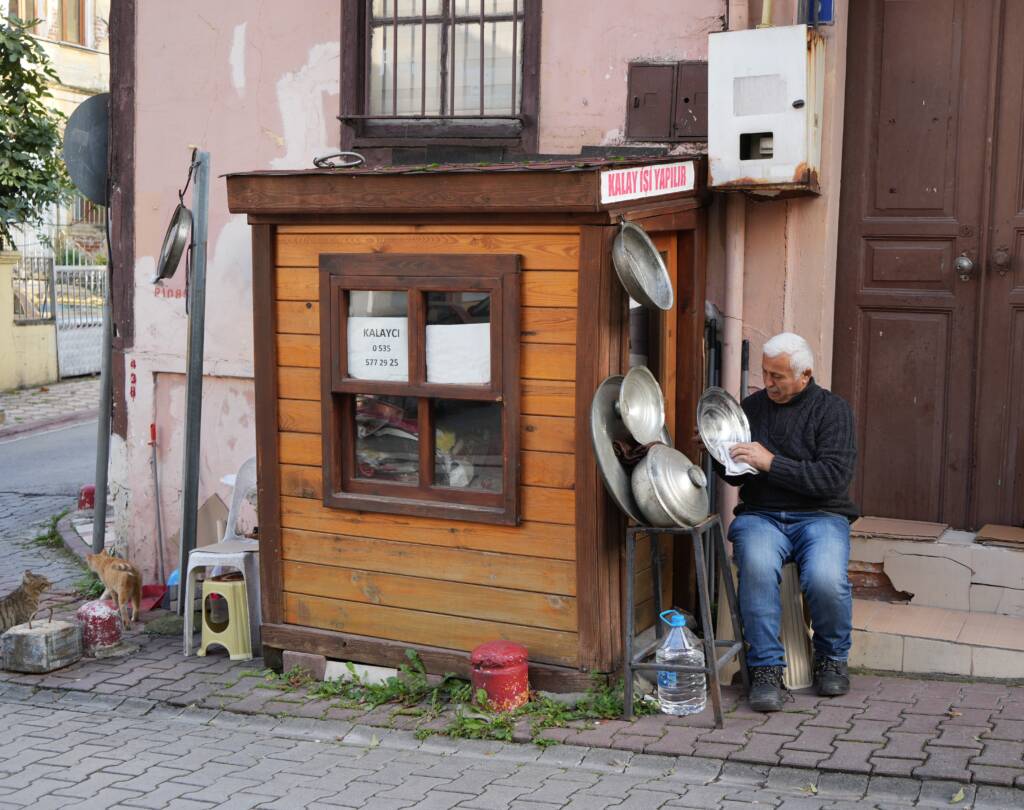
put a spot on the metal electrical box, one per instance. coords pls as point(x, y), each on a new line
point(765, 110)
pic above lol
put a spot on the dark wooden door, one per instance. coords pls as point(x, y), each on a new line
point(998, 487)
point(912, 202)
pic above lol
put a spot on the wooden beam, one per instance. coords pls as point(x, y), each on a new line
point(379, 652)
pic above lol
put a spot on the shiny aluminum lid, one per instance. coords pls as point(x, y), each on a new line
point(642, 405)
point(640, 267)
point(678, 484)
point(721, 423)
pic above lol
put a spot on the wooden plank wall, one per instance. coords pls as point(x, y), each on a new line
point(449, 584)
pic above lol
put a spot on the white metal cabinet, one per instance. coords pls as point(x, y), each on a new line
point(765, 109)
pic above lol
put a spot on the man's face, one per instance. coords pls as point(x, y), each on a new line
point(780, 383)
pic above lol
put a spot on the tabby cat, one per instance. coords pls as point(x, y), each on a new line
point(19, 605)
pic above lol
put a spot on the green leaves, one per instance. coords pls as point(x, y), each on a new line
point(32, 172)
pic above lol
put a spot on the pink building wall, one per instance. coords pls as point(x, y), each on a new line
point(256, 85)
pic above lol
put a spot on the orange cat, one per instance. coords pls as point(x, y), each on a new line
point(121, 580)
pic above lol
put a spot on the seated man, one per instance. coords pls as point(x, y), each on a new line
point(796, 507)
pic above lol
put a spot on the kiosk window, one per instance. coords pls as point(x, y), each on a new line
point(420, 360)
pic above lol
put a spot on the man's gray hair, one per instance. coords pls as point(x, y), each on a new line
point(801, 358)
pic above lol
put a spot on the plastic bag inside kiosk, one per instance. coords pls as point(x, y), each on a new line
point(428, 344)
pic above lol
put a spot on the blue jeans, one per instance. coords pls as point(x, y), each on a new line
point(819, 542)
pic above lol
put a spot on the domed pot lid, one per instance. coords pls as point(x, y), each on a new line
point(721, 423)
point(642, 405)
point(678, 484)
point(640, 267)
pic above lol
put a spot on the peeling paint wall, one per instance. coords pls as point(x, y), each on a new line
point(256, 85)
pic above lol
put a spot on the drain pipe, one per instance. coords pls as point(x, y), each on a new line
point(735, 246)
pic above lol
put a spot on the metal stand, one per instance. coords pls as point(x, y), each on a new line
point(710, 531)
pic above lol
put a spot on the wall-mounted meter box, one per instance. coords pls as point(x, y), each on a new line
point(765, 95)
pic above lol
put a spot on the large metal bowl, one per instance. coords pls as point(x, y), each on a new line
point(720, 422)
point(669, 489)
point(606, 427)
point(642, 405)
point(640, 268)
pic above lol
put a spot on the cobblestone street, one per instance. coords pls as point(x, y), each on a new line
point(155, 729)
point(94, 751)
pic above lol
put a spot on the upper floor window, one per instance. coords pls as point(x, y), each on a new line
point(72, 21)
point(435, 70)
point(23, 10)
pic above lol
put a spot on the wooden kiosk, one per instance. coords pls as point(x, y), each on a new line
point(427, 343)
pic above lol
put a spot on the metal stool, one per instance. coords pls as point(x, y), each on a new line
point(709, 530)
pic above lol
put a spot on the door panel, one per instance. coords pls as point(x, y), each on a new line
point(999, 469)
point(911, 203)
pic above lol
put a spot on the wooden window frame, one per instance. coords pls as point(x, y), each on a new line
point(358, 130)
point(82, 38)
point(498, 275)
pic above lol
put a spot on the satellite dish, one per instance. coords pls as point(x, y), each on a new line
point(85, 147)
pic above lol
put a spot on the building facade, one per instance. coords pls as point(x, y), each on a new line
point(903, 273)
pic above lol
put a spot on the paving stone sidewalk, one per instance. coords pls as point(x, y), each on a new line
point(47, 404)
point(95, 751)
point(928, 730)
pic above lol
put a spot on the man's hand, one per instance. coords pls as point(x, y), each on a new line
point(753, 453)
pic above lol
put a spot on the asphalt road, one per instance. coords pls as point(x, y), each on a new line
point(41, 473)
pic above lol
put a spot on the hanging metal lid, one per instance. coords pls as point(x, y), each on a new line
point(642, 405)
point(640, 267)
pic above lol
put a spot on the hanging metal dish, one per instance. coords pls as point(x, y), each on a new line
point(175, 241)
point(669, 489)
point(642, 405)
point(605, 428)
point(721, 423)
point(640, 267)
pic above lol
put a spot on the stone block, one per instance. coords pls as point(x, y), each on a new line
point(997, 566)
point(987, 630)
point(943, 657)
point(877, 651)
point(992, 663)
point(315, 665)
point(934, 581)
point(985, 598)
point(1011, 602)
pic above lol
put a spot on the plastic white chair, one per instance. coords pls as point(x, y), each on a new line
point(233, 551)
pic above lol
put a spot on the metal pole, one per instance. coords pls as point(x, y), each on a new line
point(99, 512)
point(194, 369)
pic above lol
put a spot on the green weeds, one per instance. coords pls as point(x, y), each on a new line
point(450, 707)
point(50, 537)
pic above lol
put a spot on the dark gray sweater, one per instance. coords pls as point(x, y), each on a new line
point(812, 438)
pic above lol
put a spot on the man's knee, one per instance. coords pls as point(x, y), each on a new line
point(824, 579)
point(755, 549)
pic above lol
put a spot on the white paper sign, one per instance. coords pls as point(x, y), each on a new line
point(378, 349)
point(637, 182)
point(459, 353)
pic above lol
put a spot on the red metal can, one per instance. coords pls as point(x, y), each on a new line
point(500, 669)
point(87, 497)
point(101, 627)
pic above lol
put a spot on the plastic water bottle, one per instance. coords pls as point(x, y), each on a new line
point(680, 693)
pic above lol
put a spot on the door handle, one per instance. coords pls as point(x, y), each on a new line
point(964, 266)
point(1001, 260)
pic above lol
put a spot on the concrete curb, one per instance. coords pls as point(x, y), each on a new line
point(67, 420)
point(72, 539)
